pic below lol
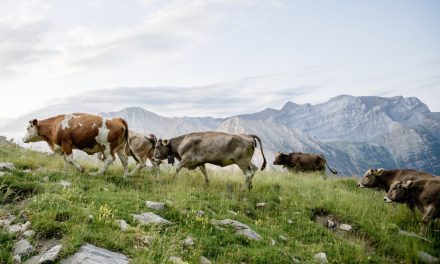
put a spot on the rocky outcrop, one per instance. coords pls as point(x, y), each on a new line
point(151, 219)
point(240, 228)
point(95, 255)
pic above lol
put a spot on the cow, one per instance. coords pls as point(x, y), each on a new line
point(382, 179)
point(89, 133)
point(424, 194)
point(222, 149)
point(302, 162)
point(143, 147)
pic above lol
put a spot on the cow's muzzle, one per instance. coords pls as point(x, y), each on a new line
point(386, 199)
point(360, 185)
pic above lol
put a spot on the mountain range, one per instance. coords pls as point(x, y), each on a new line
point(353, 133)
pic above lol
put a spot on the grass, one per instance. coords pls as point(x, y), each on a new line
point(87, 212)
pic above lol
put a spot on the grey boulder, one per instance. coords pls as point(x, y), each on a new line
point(50, 255)
point(155, 205)
point(240, 228)
point(89, 254)
point(151, 219)
point(7, 166)
point(23, 248)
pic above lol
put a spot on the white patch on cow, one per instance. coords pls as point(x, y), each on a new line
point(65, 122)
point(102, 138)
point(94, 125)
point(388, 200)
point(80, 125)
point(31, 134)
point(71, 160)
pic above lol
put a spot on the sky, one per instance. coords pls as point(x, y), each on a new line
point(213, 57)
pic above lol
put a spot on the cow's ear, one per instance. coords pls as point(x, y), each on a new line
point(408, 184)
point(34, 122)
point(165, 142)
point(379, 171)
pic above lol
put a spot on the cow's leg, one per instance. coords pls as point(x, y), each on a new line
point(124, 160)
point(179, 167)
point(156, 167)
point(249, 172)
point(205, 173)
point(68, 157)
point(429, 213)
point(109, 158)
point(138, 168)
point(412, 207)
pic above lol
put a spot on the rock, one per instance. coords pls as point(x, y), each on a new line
point(412, 234)
point(283, 238)
point(147, 240)
point(29, 233)
point(7, 166)
point(17, 259)
point(233, 213)
point(122, 224)
point(2, 173)
point(51, 255)
point(427, 258)
point(24, 227)
point(45, 179)
point(260, 205)
point(65, 184)
point(94, 255)
point(33, 260)
point(331, 224)
point(155, 205)
point(176, 260)
point(345, 227)
point(240, 228)
point(200, 214)
point(14, 229)
point(272, 242)
point(23, 248)
point(320, 258)
point(6, 221)
point(27, 171)
point(289, 221)
point(151, 218)
point(204, 260)
point(188, 242)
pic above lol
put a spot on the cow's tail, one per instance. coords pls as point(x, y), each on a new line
point(261, 148)
point(333, 171)
point(128, 141)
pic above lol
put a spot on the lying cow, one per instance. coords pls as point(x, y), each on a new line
point(380, 178)
point(302, 161)
point(218, 148)
point(424, 194)
point(143, 147)
point(89, 133)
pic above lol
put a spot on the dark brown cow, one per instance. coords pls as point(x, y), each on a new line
point(380, 178)
point(89, 133)
point(302, 161)
point(424, 194)
point(218, 148)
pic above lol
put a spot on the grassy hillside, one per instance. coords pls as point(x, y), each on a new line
point(293, 201)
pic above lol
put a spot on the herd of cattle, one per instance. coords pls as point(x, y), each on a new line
point(109, 137)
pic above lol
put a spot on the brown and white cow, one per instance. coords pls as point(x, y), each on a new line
point(222, 149)
point(302, 161)
point(143, 147)
point(89, 133)
point(424, 194)
point(382, 179)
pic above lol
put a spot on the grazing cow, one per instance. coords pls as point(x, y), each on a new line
point(424, 194)
point(143, 147)
point(89, 133)
point(302, 161)
point(222, 149)
point(380, 178)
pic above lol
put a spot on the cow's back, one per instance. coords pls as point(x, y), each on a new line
point(410, 174)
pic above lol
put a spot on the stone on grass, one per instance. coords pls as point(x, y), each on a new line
point(283, 238)
point(122, 224)
point(345, 227)
point(147, 240)
point(23, 248)
point(289, 221)
point(260, 205)
point(94, 255)
point(412, 234)
point(50, 255)
point(204, 260)
point(176, 260)
point(320, 258)
point(427, 258)
point(188, 242)
point(65, 184)
point(6, 221)
point(200, 213)
point(28, 233)
point(45, 179)
point(233, 213)
point(17, 259)
point(331, 224)
point(14, 229)
point(240, 228)
point(151, 219)
point(155, 205)
point(7, 166)
point(2, 173)
point(272, 242)
point(24, 227)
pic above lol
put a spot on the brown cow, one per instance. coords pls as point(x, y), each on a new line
point(222, 149)
point(424, 194)
point(380, 178)
point(89, 133)
point(143, 147)
point(302, 161)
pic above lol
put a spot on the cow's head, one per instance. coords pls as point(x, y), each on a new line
point(161, 150)
point(398, 191)
point(32, 132)
point(369, 179)
point(280, 158)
